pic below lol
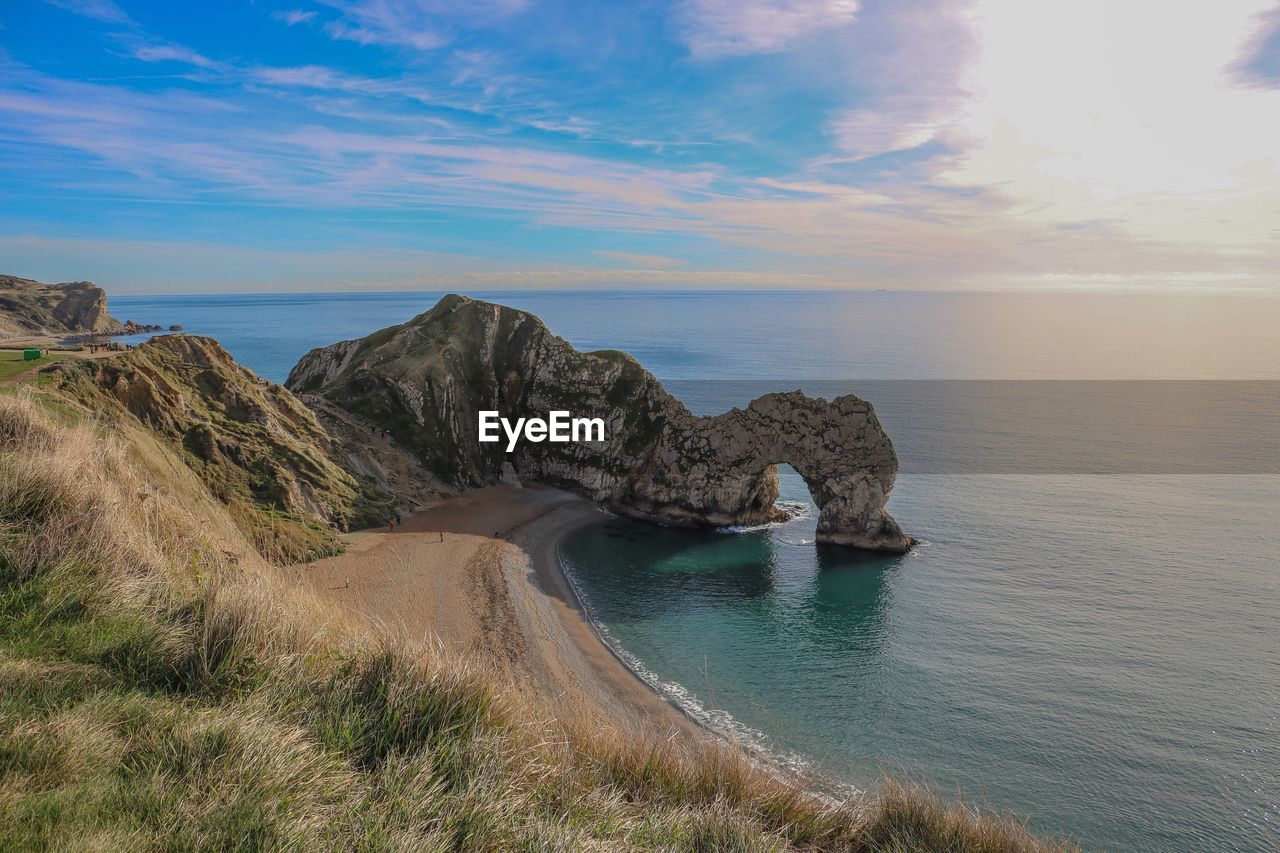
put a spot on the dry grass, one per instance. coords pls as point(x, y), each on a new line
point(252, 443)
point(161, 686)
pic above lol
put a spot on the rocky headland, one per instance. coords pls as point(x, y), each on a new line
point(32, 308)
point(72, 312)
point(425, 382)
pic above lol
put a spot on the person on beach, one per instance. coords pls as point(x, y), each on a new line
point(391, 525)
point(397, 517)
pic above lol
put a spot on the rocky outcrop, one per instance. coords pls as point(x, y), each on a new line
point(425, 382)
point(29, 308)
point(132, 327)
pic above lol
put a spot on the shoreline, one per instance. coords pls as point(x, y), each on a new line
point(787, 766)
point(548, 564)
point(480, 573)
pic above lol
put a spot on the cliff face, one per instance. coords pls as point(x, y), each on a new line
point(425, 382)
point(31, 308)
point(256, 447)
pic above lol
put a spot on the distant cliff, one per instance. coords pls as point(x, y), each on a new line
point(425, 382)
point(31, 308)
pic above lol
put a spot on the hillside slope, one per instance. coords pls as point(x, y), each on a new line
point(254, 445)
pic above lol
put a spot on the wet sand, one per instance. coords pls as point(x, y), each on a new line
point(480, 573)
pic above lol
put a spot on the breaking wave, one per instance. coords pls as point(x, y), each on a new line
point(795, 510)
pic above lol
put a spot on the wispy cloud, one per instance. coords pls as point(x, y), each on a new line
point(292, 17)
point(901, 233)
point(314, 77)
point(145, 266)
point(870, 131)
point(419, 24)
point(153, 51)
point(920, 144)
point(715, 28)
point(98, 10)
point(635, 260)
point(127, 31)
point(591, 277)
point(906, 97)
point(1258, 63)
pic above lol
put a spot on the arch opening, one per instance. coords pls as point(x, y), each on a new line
point(787, 495)
point(792, 488)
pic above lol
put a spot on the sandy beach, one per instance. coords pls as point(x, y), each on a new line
point(480, 573)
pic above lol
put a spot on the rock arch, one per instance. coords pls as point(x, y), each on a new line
point(838, 448)
point(426, 381)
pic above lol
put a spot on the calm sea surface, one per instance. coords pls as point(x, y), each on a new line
point(1097, 652)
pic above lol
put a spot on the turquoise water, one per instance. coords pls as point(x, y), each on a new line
point(1099, 653)
point(1092, 652)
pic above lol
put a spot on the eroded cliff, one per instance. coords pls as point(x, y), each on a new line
point(426, 381)
point(256, 447)
point(32, 308)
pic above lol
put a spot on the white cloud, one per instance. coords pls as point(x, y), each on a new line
point(311, 77)
point(1091, 109)
point(99, 10)
point(166, 52)
point(139, 45)
point(103, 140)
point(418, 37)
point(1078, 139)
point(867, 132)
point(903, 64)
point(1257, 63)
point(360, 93)
point(419, 24)
point(294, 16)
point(714, 28)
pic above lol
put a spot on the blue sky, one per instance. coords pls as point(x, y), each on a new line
point(425, 144)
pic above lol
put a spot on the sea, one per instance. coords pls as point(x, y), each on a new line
point(1088, 634)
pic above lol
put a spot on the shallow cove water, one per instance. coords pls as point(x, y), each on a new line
point(1096, 671)
point(1095, 651)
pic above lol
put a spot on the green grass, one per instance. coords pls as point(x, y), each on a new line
point(163, 687)
point(12, 364)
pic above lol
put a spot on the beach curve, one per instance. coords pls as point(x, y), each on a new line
point(480, 573)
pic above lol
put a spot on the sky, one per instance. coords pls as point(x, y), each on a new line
point(502, 144)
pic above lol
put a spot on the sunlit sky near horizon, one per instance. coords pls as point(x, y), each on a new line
point(468, 144)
